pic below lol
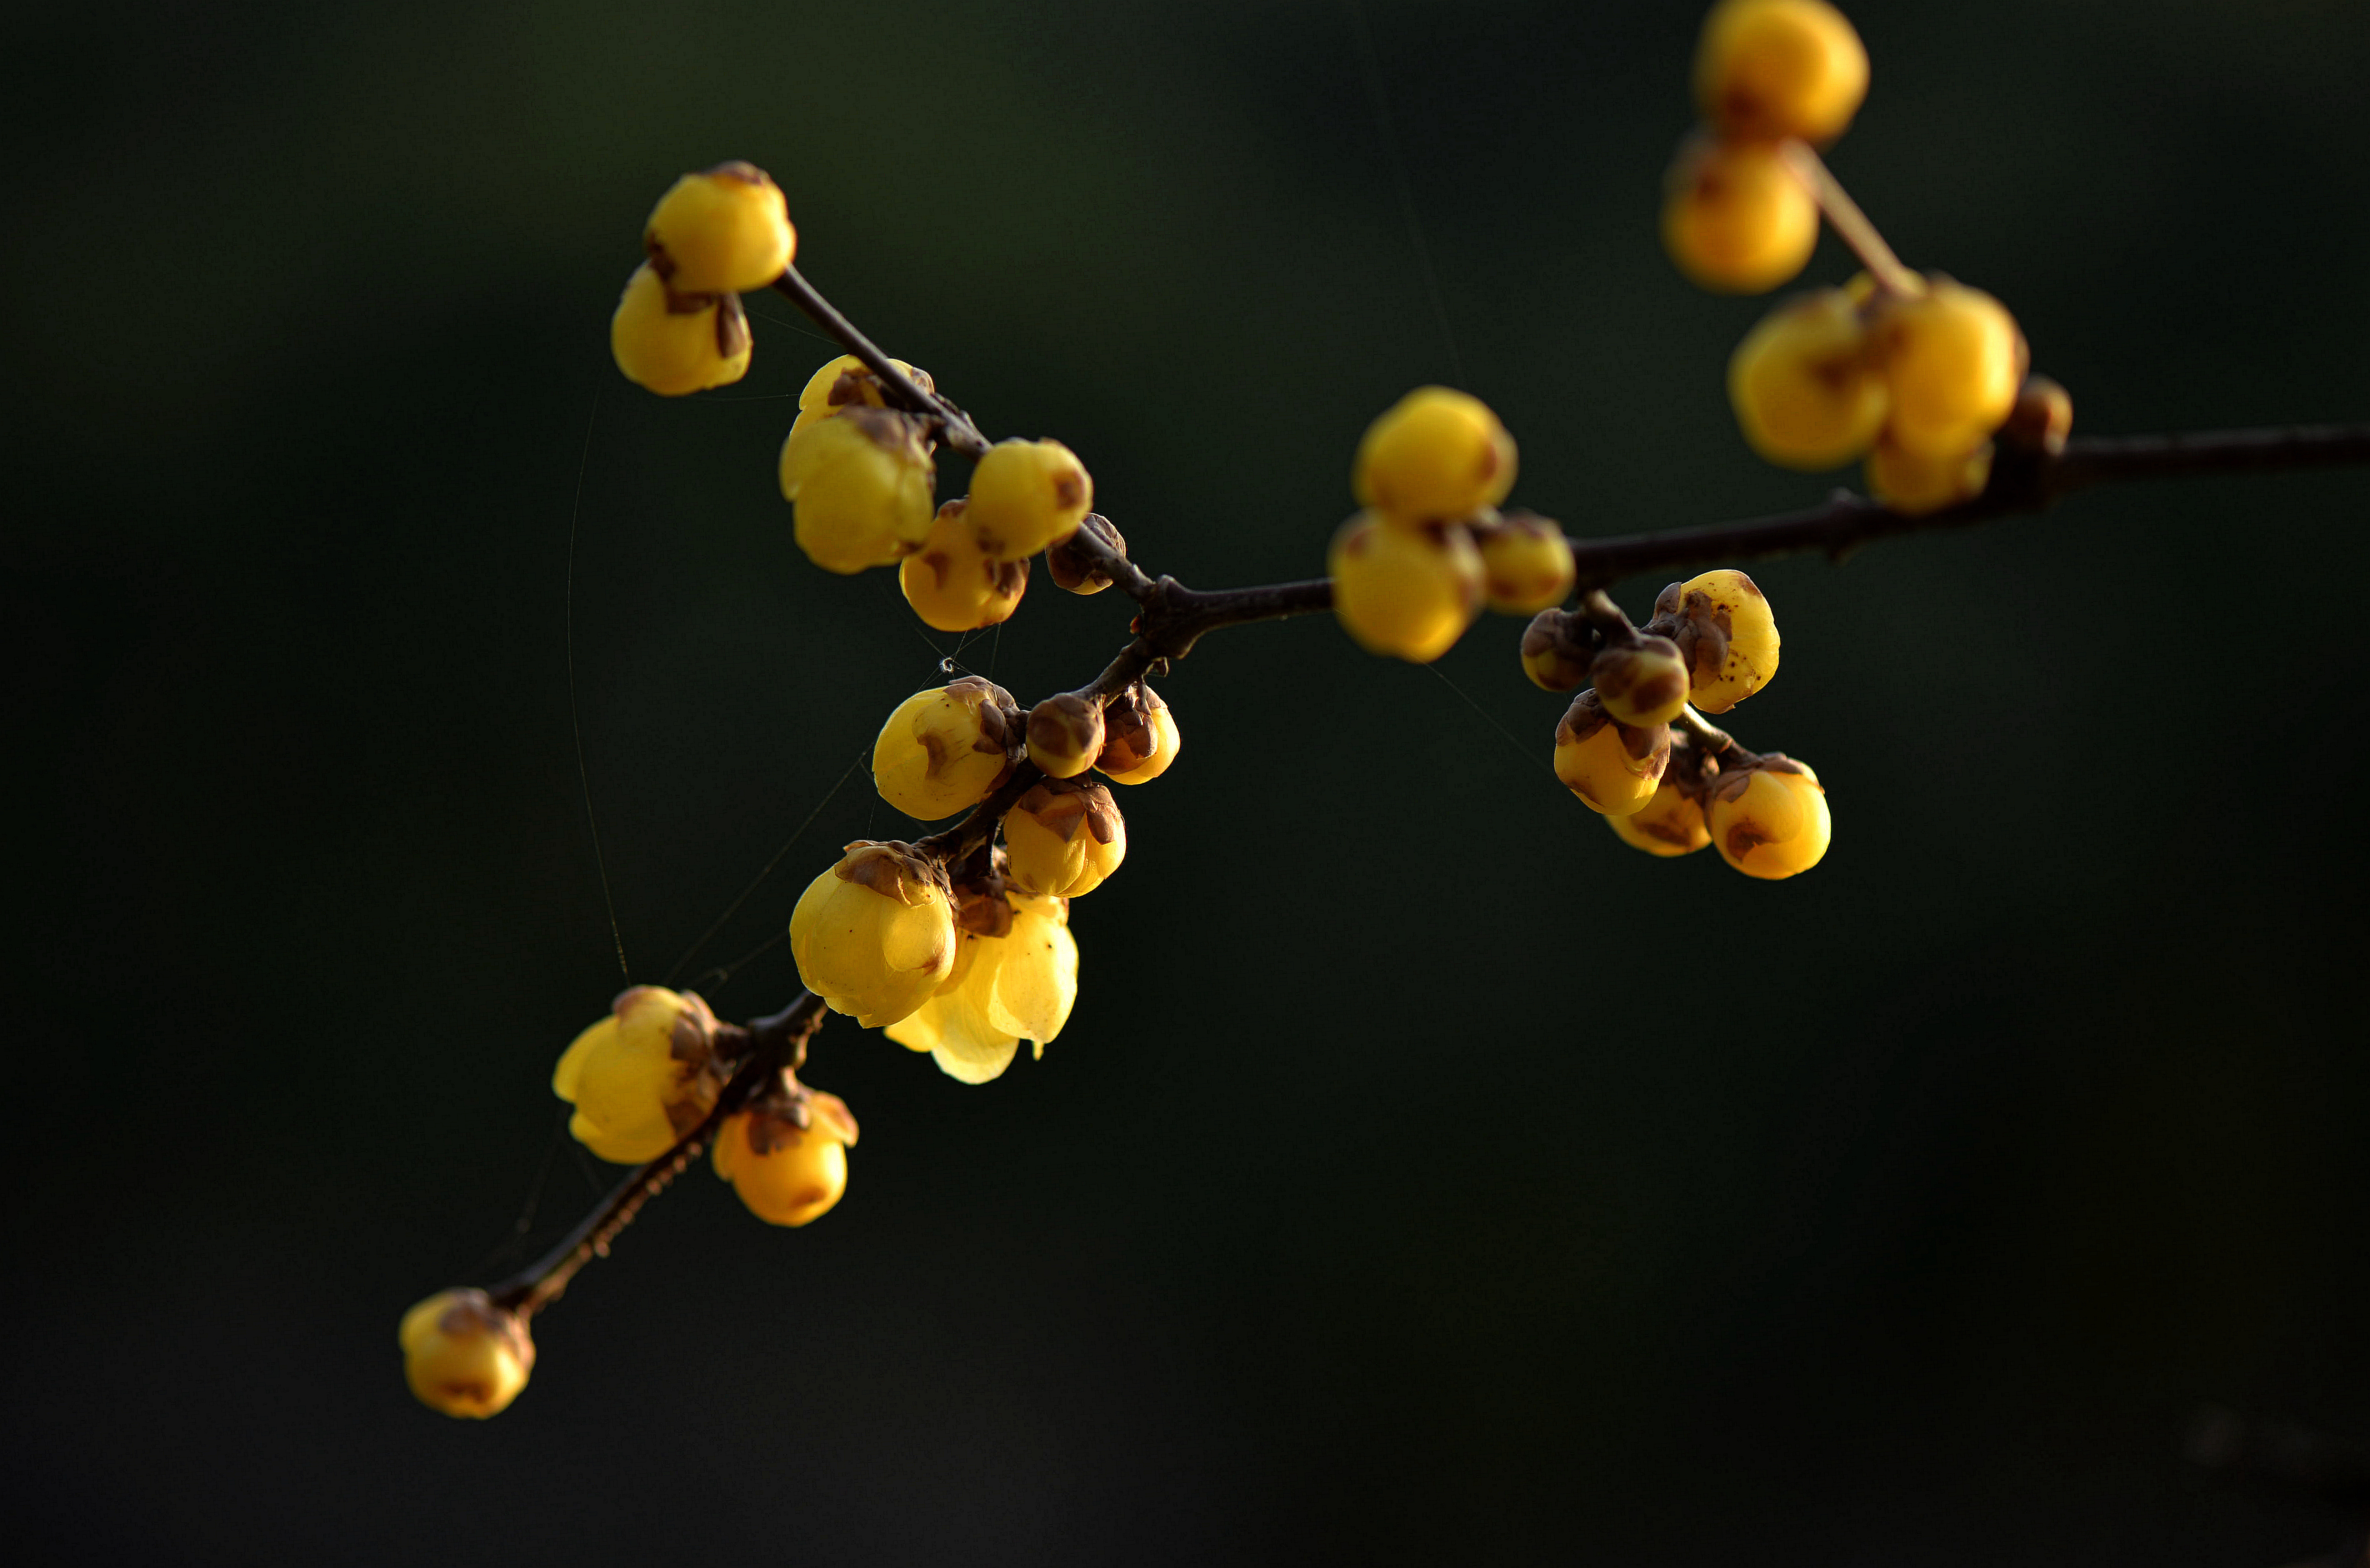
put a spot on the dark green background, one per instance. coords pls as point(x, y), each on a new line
point(1423, 1175)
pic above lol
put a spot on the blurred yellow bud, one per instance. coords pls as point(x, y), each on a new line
point(1769, 819)
point(1725, 631)
point(724, 231)
point(1671, 824)
point(464, 1355)
point(1026, 495)
point(1062, 838)
point(1643, 684)
point(1405, 591)
point(862, 482)
point(1555, 650)
point(946, 749)
point(675, 343)
point(1525, 563)
point(845, 383)
point(874, 935)
point(1771, 68)
point(643, 1076)
point(952, 584)
point(1065, 734)
point(787, 1159)
point(1805, 382)
point(1435, 455)
point(1140, 737)
point(1074, 571)
point(1735, 218)
point(1954, 359)
point(1017, 987)
point(1915, 486)
point(1613, 768)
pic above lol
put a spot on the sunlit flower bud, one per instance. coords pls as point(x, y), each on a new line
point(787, 1158)
point(1643, 684)
point(1915, 486)
point(1735, 218)
point(862, 482)
point(1525, 563)
point(874, 935)
point(1954, 359)
point(1074, 571)
point(1769, 819)
point(1671, 824)
point(946, 749)
point(1017, 987)
point(1556, 649)
point(1064, 836)
point(1405, 592)
point(1805, 382)
point(1065, 734)
point(1726, 633)
point(1613, 768)
point(726, 231)
point(952, 584)
point(1437, 455)
point(673, 343)
point(2042, 417)
point(1140, 737)
point(845, 383)
point(643, 1076)
point(1026, 495)
point(464, 1355)
point(1773, 68)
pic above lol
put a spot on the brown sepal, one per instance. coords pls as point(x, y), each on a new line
point(894, 868)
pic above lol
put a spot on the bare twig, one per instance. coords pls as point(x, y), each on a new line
point(1851, 225)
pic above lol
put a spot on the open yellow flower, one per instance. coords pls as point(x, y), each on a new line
point(642, 1077)
point(1003, 990)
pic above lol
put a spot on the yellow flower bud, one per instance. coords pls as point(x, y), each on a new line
point(1017, 987)
point(1555, 650)
point(673, 343)
point(1525, 563)
point(724, 231)
point(1062, 838)
point(1409, 592)
point(1770, 819)
point(1613, 768)
point(1644, 683)
point(1772, 68)
point(643, 1076)
point(1140, 737)
point(845, 383)
point(1726, 633)
point(787, 1159)
point(1026, 495)
point(946, 750)
point(464, 1355)
point(1915, 486)
point(1073, 572)
point(1065, 734)
point(1671, 824)
point(1954, 359)
point(952, 584)
point(1735, 218)
point(1437, 455)
point(874, 935)
point(862, 482)
point(1805, 384)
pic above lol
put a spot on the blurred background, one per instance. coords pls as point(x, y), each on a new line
point(1424, 1174)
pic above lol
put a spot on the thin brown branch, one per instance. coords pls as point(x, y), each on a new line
point(1851, 225)
point(955, 425)
point(772, 1043)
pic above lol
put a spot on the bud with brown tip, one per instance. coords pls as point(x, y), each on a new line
point(1065, 734)
point(1062, 838)
point(1557, 648)
point(1073, 568)
point(1642, 683)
